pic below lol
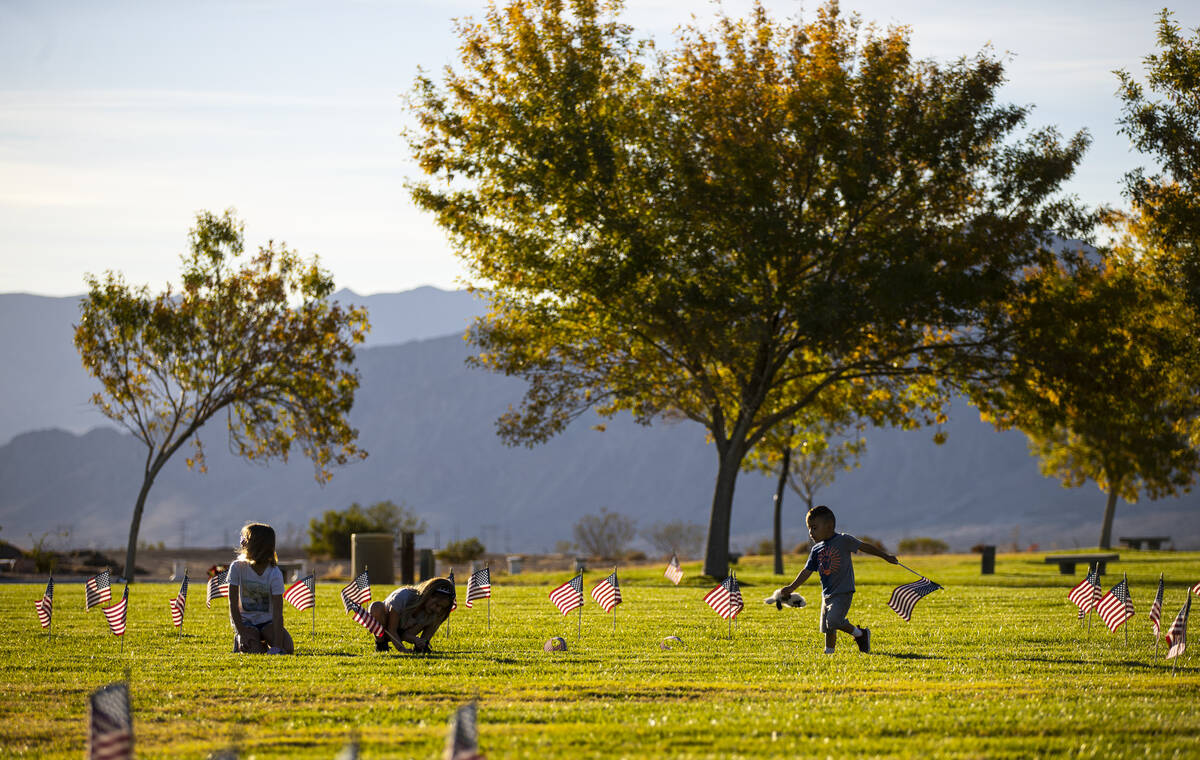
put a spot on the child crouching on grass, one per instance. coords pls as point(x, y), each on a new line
point(256, 595)
point(830, 556)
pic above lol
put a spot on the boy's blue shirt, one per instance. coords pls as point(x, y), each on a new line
point(831, 560)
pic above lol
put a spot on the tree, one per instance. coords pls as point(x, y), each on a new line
point(727, 230)
point(262, 344)
point(1107, 348)
point(330, 536)
point(677, 537)
point(462, 551)
point(604, 535)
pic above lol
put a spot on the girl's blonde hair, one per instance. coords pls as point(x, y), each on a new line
point(258, 545)
point(417, 613)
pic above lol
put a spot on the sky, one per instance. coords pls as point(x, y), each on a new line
point(120, 120)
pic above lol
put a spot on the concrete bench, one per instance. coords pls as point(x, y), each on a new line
point(1066, 562)
point(1151, 542)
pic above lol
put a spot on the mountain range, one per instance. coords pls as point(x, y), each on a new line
point(428, 422)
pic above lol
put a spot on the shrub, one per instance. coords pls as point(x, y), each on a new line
point(923, 545)
point(330, 536)
point(764, 548)
point(604, 535)
point(874, 542)
point(681, 538)
point(804, 547)
point(462, 551)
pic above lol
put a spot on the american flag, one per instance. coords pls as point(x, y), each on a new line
point(1177, 636)
point(735, 597)
point(364, 618)
point(358, 590)
point(453, 604)
point(1156, 609)
point(116, 614)
point(303, 593)
point(1087, 592)
point(110, 725)
point(905, 598)
point(218, 586)
point(479, 585)
point(569, 595)
point(722, 598)
point(1196, 589)
point(462, 743)
point(674, 573)
point(179, 603)
point(1116, 607)
point(98, 589)
point(45, 605)
point(607, 592)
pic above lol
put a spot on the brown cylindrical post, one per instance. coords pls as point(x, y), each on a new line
point(408, 543)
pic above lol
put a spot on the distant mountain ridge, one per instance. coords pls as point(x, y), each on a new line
point(45, 385)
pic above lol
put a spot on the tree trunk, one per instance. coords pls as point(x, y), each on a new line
point(1109, 510)
point(783, 476)
point(135, 525)
point(716, 555)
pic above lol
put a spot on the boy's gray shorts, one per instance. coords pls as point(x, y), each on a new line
point(833, 611)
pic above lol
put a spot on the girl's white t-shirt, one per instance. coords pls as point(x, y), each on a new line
point(254, 590)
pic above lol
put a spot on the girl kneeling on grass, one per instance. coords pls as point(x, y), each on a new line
point(256, 595)
point(412, 614)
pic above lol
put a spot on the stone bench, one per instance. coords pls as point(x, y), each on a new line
point(1066, 562)
point(1151, 542)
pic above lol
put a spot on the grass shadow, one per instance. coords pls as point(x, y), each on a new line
point(910, 656)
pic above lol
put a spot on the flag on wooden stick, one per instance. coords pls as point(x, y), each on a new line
point(364, 618)
point(303, 593)
point(179, 603)
point(1177, 636)
point(1087, 592)
point(358, 590)
point(116, 614)
point(1116, 607)
point(905, 598)
point(479, 586)
point(607, 592)
point(1156, 610)
point(110, 724)
point(674, 573)
point(97, 589)
point(569, 595)
point(453, 604)
point(721, 598)
point(218, 586)
point(45, 605)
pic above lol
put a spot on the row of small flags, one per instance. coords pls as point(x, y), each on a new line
point(1116, 607)
point(110, 729)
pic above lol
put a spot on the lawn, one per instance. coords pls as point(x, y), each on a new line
point(991, 667)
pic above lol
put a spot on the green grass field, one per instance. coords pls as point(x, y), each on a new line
point(993, 666)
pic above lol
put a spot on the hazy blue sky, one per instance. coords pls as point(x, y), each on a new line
point(119, 120)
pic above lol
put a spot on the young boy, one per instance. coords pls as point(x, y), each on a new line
point(830, 556)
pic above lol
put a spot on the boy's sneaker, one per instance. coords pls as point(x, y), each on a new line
point(381, 644)
point(864, 641)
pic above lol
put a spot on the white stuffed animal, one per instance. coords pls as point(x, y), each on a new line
point(794, 600)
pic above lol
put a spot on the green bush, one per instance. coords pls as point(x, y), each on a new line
point(462, 551)
point(330, 536)
point(923, 545)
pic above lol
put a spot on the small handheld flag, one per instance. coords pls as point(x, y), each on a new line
point(674, 573)
point(569, 595)
point(110, 725)
point(462, 743)
point(1177, 636)
point(45, 605)
point(97, 589)
point(479, 586)
point(1087, 592)
point(218, 586)
point(1156, 611)
point(722, 599)
point(116, 614)
point(302, 594)
point(607, 592)
point(358, 590)
point(1116, 607)
point(364, 618)
point(179, 603)
point(905, 598)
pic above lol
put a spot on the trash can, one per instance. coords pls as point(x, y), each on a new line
point(373, 552)
point(514, 564)
point(987, 560)
point(428, 568)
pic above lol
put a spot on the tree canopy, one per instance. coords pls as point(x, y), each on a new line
point(725, 230)
point(260, 343)
point(331, 535)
